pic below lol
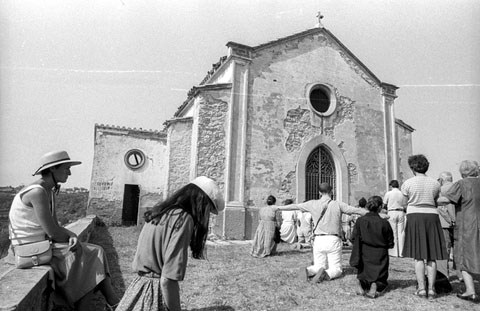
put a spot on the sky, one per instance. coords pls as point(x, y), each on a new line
point(66, 65)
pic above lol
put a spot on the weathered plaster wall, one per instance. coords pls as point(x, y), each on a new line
point(180, 144)
point(110, 173)
point(405, 149)
point(281, 121)
point(211, 141)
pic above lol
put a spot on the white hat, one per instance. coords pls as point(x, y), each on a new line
point(211, 189)
point(53, 158)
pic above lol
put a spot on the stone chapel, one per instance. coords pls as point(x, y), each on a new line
point(278, 118)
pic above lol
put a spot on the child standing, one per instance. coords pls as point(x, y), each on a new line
point(372, 237)
point(162, 251)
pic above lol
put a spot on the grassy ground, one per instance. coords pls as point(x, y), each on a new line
point(233, 280)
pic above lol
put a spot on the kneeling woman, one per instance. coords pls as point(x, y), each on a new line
point(79, 268)
point(372, 237)
point(162, 250)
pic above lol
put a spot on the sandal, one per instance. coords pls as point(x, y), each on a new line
point(432, 294)
point(110, 307)
point(422, 293)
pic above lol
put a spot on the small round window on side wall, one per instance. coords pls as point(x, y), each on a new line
point(134, 159)
point(321, 100)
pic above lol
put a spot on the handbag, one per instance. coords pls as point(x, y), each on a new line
point(33, 254)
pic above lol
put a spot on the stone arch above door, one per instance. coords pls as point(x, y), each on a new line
point(340, 167)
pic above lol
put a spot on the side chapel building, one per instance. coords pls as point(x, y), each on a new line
point(278, 118)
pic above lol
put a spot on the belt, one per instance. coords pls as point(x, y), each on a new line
point(149, 274)
point(325, 234)
point(396, 210)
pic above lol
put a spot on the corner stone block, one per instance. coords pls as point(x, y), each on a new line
point(234, 216)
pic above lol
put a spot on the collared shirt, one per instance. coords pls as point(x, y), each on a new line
point(331, 223)
point(395, 200)
point(163, 248)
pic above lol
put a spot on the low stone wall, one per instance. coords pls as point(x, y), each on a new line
point(28, 289)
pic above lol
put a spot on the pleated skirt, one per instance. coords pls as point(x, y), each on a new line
point(424, 237)
point(143, 294)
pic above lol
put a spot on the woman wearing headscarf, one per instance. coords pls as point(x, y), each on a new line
point(79, 268)
point(465, 194)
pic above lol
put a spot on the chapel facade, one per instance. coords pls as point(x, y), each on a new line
point(278, 118)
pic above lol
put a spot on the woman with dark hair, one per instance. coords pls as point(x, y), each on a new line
point(372, 236)
point(424, 241)
point(162, 251)
point(465, 194)
point(79, 268)
point(264, 241)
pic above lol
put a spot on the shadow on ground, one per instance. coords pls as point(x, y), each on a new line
point(101, 236)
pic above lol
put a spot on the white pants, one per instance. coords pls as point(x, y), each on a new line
point(397, 222)
point(327, 254)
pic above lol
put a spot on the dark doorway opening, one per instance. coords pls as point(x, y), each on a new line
point(131, 197)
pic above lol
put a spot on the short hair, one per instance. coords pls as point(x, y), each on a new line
point(287, 202)
point(394, 183)
point(468, 168)
point(362, 202)
point(374, 204)
point(271, 200)
point(418, 163)
point(325, 188)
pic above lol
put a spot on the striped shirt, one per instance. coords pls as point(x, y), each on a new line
point(422, 192)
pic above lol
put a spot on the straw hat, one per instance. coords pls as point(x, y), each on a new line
point(53, 158)
point(211, 189)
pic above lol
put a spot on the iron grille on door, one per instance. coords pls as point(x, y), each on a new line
point(319, 168)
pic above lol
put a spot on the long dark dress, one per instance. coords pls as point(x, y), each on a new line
point(372, 237)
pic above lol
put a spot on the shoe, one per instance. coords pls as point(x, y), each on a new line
point(431, 294)
point(320, 276)
point(372, 293)
point(422, 293)
point(473, 297)
point(303, 274)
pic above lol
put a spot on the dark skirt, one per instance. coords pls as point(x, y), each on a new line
point(424, 237)
point(373, 267)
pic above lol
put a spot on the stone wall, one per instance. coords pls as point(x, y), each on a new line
point(180, 144)
point(405, 149)
point(281, 120)
point(110, 172)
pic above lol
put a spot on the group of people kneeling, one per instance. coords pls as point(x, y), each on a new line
point(372, 235)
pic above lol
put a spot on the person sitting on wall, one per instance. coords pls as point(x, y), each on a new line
point(79, 268)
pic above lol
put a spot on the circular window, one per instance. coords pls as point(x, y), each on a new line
point(321, 100)
point(134, 159)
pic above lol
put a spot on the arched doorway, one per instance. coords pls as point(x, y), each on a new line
point(319, 168)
